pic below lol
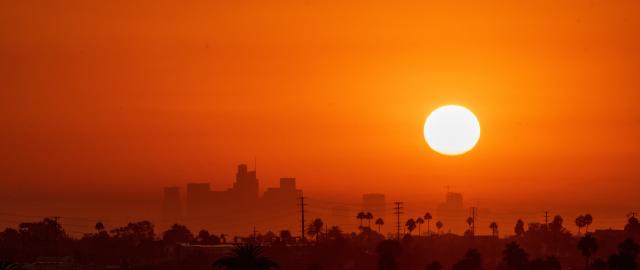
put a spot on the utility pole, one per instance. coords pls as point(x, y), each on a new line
point(473, 220)
point(326, 231)
point(302, 239)
point(397, 212)
point(255, 240)
point(546, 218)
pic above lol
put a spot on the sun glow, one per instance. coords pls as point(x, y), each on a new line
point(452, 130)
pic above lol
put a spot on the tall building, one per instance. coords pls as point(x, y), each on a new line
point(285, 195)
point(452, 213)
point(240, 207)
point(171, 208)
point(246, 188)
point(453, 202)
point(375, 203)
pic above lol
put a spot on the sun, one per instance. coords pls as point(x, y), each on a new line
point(452, 130)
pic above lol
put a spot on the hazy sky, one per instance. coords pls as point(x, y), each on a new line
point(105, 99)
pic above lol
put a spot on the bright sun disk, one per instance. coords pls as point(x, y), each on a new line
point(452, 130)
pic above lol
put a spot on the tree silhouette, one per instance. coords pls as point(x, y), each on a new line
point(551, 263)
point(360, 217)
point(633, 226)
point(99, 227)
point(387, 251)
point(428, 218)
point(223, 238)
point(177, 234)
point(598, 264)
point(335, 234)
point(519, 228)
point(315, 228)
point(580, 222)
point(625, 258)
point(285, 236)
point(245, 257)
point(411, 225)
point(588, 219)
point(434, 266)
point(379, 222)
point(494, 228)
point(472, 260)
point(205, 238)
point(419, 221)
point(514, 257)
point(269, 236)
point(368, 216)
point(556, 225)
point(439, 225)
point(587, 246)
point(135, 232)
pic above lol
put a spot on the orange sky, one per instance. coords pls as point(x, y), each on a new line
point(124, 97)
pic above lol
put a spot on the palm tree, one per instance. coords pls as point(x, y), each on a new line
point(580, 222)
point(388, 251)
point(223, 238)
point(419, 221)
point(285, 236)
point(470, 222)
point(368, 216)
point(246, 257)
point(494, 228)
point(99, 227)
point(588, 219)
point(428, 217)
point(587, 246)
point(411, 225)
point(379, 222)
point(315, 228)
point(519, 228)
point(360, 217)
point(334, 233)
point(514, 257)
point(439, 225)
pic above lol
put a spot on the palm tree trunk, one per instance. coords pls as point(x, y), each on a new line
point(428, 229)
point(378, 228)
point(586, 264)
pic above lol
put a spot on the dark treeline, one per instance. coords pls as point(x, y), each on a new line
point(137, 245)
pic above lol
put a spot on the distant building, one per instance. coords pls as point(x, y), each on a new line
point(375, 203)
point(452, 212)
point(246, 188)
point(240, 207)
point(198, 198)
point(171, 204)
point(285, 195)
point(453, 201)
